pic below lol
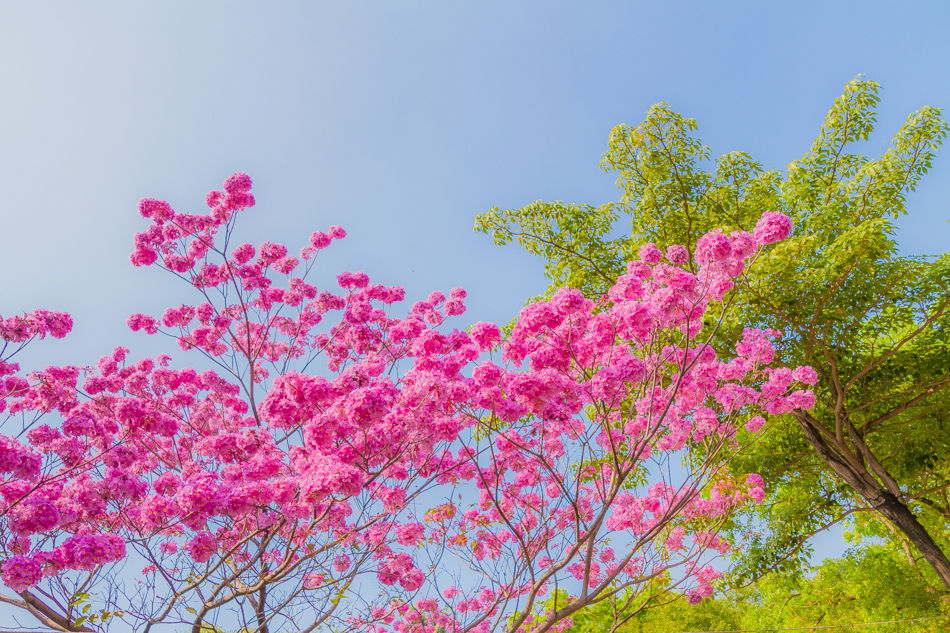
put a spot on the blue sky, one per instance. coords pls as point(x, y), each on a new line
point(401, 121)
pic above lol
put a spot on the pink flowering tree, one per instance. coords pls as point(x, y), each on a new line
point(249, 490)
point(411, 485)
point(599, 468)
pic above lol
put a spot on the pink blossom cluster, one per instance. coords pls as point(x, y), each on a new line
point(36, 324)
point(15, 333)
point(18, 460)
point(80, 552)
point(181, 240)
point(21, 572)
point(704, 589)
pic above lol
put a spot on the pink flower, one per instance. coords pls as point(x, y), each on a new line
point(352, 280)
point(756, 347)
point(755, 423)
point(270, 252)
point(675, 541)
point(756, 487)
point(19, 460)
point(178, 263)
point(778, 406)
point(157, 210)
point(31, 516)
point(360, 279)
point(393, 499)
point(21, 572)
point(39, 323)
point(650, 253)
point(243, 253)
point(677, 255)
point(412, 580)
point(805, 374)
point(319, 239)
point(713, 247)
point(639, 270)
point(487, 374)
point(167, 484)
point(568, 301)
point(743, 244)
point(772, 227)
point(395, 569)
point(455, 304)
point(410, 533)
point(313, 580)
point(757, 494)
point(700, 593)
point(341, 563)
point(238, 183)
point(802, 399)
point(85, 551)
point(286, 265)
point(202, 547)
point(485, 335)
point(337, 232)
point(143, 257)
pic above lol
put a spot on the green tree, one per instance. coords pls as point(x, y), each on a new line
point(872, 323)
point(873, 584)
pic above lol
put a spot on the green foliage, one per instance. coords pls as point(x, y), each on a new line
point(874, 324)
point(612, 613)
point(873, 584)
point(571, 239)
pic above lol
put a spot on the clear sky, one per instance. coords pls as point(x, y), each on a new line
point(400, 121)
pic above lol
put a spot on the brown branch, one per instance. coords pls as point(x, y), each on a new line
point(568, 251)
point(944, 511)
point(929, 390)
point(47, 616)
point(897, 346)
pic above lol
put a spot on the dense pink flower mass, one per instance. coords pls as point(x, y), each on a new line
point(772, 227)
point(21, 572)
point(287, 483)
point(37, 324)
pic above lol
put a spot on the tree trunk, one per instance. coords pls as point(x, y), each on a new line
point(852, 471)
point(259, 608)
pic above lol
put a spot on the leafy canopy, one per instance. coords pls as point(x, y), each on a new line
point(872, 323)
